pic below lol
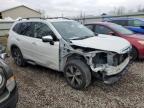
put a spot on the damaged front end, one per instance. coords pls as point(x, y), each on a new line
point(105, 65)
point(108, 66)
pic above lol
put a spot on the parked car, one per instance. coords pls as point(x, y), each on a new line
point(134, 24)
point(137, 40)
point(8, 89)
point(68, 46)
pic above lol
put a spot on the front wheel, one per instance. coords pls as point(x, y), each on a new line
point(77, 74)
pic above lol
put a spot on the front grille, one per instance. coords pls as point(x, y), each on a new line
point(119, 58)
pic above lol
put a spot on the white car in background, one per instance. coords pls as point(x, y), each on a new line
point(67, 46)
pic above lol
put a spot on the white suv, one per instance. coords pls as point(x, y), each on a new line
point(67, 46)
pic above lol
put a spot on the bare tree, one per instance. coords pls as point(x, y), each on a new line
point(43, 13)
point(140, 9)
point(118, 11)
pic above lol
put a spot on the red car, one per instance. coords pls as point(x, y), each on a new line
point(137, 40)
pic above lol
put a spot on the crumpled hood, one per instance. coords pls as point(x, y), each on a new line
point(104, 42)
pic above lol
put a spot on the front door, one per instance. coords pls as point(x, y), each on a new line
point(44, 53)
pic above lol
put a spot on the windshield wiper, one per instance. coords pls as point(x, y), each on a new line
point(74, 38)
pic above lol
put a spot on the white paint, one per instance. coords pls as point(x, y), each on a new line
point(103, 42)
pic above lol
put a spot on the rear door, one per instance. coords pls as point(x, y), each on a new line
point(23, 37)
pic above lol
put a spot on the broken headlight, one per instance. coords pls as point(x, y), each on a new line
point(99, 59)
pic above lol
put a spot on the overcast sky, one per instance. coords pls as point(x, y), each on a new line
point(74, 7)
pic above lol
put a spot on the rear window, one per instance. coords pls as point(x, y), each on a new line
point(24, 28)
point(16, 28)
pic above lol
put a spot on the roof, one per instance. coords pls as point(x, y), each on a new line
point(124, 18)
point(18, 7)
point(58, 20)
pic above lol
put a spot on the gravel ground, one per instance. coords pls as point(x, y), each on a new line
point(44, 88)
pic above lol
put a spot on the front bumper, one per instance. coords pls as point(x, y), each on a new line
point(111, 74)
point(117, 73)
point(11, 101)
point(114, 78)
point(113, 70)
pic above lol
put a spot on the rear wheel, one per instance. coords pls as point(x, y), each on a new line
point(77, 74)
point(18, 57)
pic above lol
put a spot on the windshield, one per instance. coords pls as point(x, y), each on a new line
point(72, 30)
point(120, 29)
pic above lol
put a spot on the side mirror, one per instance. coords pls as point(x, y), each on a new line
point(111, 33)
point(48, 39)
point(95, 34)
point(4, 56)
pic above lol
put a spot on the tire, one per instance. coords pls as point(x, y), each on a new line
point(134, 54)
point(18, 57)
point(77, 74)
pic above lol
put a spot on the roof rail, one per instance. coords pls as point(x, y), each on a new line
point(58, 18)
point(43, 18)
point(32, 18)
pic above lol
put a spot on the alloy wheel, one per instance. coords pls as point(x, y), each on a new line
point(74, 75)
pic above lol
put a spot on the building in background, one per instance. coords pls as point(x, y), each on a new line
point(19, 11)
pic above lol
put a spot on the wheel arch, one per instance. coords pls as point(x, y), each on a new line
point(76, 56)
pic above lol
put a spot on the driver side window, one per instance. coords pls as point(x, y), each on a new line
point(42, 29)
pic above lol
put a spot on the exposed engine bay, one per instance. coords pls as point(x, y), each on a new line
point(104, 63)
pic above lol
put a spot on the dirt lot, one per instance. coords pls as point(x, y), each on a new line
point(44, 88)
